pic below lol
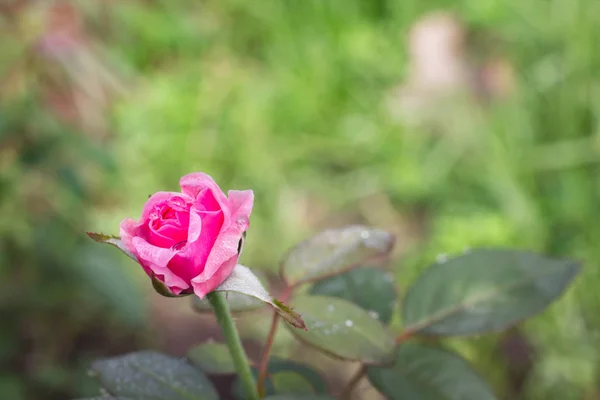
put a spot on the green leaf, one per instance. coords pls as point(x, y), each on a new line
point(213, 358)
point(343, 330)
point(428, 373)
point(369, 288)
point(287, 377)
point(290, 382)
point(237, 303)
point(484, 291)
point(277, 367)
point(243, 281)
point(299, 397)
point(103, 397)
point(334, 251)
point(147, 375)
point(113, 241)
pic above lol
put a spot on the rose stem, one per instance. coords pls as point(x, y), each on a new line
point(240, 360)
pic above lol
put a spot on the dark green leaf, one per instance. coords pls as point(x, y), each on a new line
point(343, 330)
point(278, 366)
point(369, 288)
point(243, 281)
point(148, 375)
point(299, 397)
point(290, 382)
point(212, 358)
point(334, 251)
point(287, 377)
point(103, 398)
point(106, 397)
point(427, 373)
point(484, 291)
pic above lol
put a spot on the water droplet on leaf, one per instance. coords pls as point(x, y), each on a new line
point(441, 258)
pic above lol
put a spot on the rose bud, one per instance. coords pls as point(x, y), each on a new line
point(189, 242)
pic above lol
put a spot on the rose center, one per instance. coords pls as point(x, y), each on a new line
point(169, 222)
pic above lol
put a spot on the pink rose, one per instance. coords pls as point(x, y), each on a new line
point(190, 241)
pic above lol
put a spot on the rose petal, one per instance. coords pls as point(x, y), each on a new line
point(191, 261)
point(195, 227)
point(128, 229)
point(192, 184)
point(153, 200)
point(206, 201)
point(157, 259)
point(164, 237)
point(241, 203)
point(225, 248)
point(201, 289)
point(174, 233)
point(226, 245)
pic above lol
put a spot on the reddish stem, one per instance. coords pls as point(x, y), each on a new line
point(404, 336)
point(347, 392)
point(265, 355)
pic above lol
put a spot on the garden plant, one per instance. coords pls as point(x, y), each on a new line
point(338, 299)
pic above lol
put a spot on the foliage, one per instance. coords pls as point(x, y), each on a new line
point(477, 292)
point(288, 97)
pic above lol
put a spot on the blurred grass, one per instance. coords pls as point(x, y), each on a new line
point(288, 98)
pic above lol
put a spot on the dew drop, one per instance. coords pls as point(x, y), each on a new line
point(242, 222)
point(179, 245)
point(364, 234)
point(330, 307)
point(374, 314)
point(441, 258)
point(349, 323)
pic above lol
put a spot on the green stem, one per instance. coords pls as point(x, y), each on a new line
point(234, 343)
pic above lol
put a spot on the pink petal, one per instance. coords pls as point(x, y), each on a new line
point(206, 201)
point(192, 184)
point(201, 289)
point(241, 203)
point(174, 233)
point(153, 200)
point(192, 260)
point(128, 229)
point(164, 237)
point(195, 227)
point(225, 247)
point(157, 259)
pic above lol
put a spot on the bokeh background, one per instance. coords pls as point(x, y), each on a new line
point(454, 124)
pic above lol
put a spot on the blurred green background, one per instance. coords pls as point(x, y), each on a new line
point(104, 102)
